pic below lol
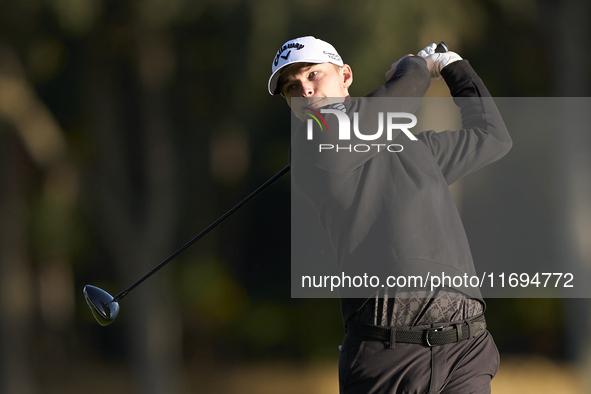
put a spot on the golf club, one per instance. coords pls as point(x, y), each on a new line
point(105, 308)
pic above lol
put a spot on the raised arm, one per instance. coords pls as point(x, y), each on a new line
point(410, 79)
point(483, 138)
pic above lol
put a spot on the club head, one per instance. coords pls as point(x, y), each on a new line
point(103, 307)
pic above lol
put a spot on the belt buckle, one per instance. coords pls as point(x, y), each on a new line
point(430, 330)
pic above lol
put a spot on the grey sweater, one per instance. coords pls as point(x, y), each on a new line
point(393, 213)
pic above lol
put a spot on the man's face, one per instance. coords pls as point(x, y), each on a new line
point(321, 84)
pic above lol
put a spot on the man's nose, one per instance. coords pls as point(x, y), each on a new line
point(307, 90)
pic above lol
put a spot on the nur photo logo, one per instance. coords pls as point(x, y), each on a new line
point(389, 119)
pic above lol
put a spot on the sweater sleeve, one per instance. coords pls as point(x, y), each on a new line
point(411, 79)
point(483, 138)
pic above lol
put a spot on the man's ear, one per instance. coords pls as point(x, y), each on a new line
point(346, 76)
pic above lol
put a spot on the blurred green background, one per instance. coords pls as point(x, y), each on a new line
point(126, 127)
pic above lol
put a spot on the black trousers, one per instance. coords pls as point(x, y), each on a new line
point(368, 366)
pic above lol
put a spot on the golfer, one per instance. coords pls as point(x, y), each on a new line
point(413, 341)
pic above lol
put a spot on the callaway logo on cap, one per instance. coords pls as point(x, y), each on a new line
point(301, 50)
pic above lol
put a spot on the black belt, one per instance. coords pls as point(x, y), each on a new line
point(435, 336)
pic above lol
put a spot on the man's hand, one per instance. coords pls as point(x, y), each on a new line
point(394, 66)
point(437, 61)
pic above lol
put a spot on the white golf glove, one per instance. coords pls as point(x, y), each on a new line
point(437, 61)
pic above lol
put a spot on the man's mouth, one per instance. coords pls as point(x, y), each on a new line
point(316, 103)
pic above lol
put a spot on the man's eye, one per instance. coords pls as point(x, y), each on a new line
point(290, 88)
point(313, 73)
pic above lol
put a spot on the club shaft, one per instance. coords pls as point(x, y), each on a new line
point(202, 233)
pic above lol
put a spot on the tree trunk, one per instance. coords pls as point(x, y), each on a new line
point(16, 281)
point(572, 41)
point(136, 190)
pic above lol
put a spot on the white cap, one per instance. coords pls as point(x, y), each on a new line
point(301, 50)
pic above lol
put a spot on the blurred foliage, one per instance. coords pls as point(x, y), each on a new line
point(139, 88)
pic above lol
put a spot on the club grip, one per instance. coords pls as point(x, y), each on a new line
point(441, 47)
